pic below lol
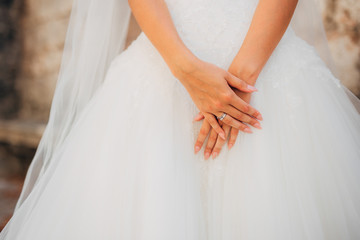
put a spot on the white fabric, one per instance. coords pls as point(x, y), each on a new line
point(96, 34)
point(124, 168)
point(307, 24)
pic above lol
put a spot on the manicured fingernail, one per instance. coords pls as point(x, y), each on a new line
point(252, 88)
point(214, 155)
point(247, 130)
point(259, 117)
point(207, 155)
point(230, 145)
point(222, 135)
point(257, 125)
point(197, 149)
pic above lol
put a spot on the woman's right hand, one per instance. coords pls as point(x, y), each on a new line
point(210, 88)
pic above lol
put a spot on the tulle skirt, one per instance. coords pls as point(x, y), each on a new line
point(128, 171)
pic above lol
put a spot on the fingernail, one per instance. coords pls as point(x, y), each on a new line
point(207, 155)
point(222, 135)
point(252, 88)
point(230, 145)
point(259, 117)
point(247, 130)
point(214, 155)
point(197, 149)
point(257, 125)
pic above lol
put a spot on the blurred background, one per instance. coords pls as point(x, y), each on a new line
point(32, 34)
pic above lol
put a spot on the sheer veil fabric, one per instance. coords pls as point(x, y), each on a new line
point(307, 23)
point(96, 35)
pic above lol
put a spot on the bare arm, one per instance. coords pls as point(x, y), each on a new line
point(269, 23)
point(154, 19)
point(207, 84)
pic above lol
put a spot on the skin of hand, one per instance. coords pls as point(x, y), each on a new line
point(269, 23)
point(209, 86)
point(215, 143)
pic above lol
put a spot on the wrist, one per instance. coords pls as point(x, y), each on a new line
point(183, 63)
point(247, 72)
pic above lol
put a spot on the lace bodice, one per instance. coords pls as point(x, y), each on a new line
point(215, 23)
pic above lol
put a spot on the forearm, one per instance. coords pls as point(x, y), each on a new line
point(269, 23)
point(154, 19)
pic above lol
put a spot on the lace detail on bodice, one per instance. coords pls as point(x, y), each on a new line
point(212, 27)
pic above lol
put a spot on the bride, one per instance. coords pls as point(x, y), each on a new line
point(120, 158)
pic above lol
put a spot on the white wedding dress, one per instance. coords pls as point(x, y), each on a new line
point(128, 170)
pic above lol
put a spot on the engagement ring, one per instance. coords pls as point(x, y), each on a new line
point(222, 116)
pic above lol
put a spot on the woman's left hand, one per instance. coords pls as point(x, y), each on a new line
point(215, 143)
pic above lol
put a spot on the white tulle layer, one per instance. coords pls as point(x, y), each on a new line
point(128, 171)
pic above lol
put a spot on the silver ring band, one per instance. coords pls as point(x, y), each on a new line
point(222, 116)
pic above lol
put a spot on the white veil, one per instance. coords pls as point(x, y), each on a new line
point(307, 24)
point(96, 34)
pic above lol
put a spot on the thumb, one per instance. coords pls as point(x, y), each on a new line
point(199, 117)
point(240, 84)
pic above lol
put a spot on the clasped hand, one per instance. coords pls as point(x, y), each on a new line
point(216, 91)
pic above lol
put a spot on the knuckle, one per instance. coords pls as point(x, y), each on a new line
point(218, 104)
point(228, 96)
point(210, 108)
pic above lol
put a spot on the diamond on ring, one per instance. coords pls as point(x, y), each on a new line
point(222, 116)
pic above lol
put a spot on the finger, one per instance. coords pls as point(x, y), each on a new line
point(240, 84)
point(244, 107)
point(214, 124)
point(210, 143)
point(220, 142)
point(198, 117)
point(229, 120)
point(233, 136)
point(240, 116)
point(204, 131)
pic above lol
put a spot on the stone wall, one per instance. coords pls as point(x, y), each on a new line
point(44, 25)
point(10, 55)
